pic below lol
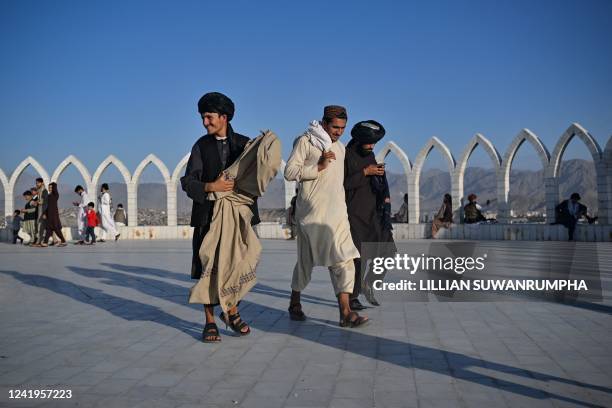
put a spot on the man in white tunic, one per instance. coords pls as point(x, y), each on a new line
point(108, 224)
point(323, 230)
point(81, 206)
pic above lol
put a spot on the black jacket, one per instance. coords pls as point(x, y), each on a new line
point(204, 166)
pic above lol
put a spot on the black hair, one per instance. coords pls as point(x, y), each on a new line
point(91, 204)
point(39, 180)
point(78, 188)
point(104, 186)
point(119, 205)
point(575, 196)
point(27, 192)
point(17, 212)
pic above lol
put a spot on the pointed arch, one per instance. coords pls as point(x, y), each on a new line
point(415, 176)
point(4, 180)
point(76, 163)
point(479, 140)
point(8, 196)
point(111, 159)
point(289, 186)
point(391, 147)
point(178, 170)
point(420, 159)
point(523, 136)
point(573, 130)
point(151, 159)
point(29, 161)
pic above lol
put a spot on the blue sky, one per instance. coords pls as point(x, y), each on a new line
point(124, 77)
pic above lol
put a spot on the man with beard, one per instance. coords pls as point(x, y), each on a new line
point(323, 231)
point(368, 203)
point(210, 156)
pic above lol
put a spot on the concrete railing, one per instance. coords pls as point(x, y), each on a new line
point(273, 230)
point(602, 160)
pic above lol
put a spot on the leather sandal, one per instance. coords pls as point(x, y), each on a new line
point(352, 320)
point(210, 334)
point(235, 323)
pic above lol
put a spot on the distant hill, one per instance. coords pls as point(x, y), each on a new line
point(527, 189)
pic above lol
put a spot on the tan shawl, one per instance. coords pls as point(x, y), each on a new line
point(230, 250)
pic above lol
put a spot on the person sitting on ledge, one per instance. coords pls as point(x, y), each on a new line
point(402, 215)
point(444, 217)
point(568, 212)
point(471, 212)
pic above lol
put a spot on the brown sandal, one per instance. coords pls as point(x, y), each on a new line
point(352, 320)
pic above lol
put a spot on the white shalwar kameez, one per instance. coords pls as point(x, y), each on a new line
point(108, 224)
point(323, 230)
point(82, 215)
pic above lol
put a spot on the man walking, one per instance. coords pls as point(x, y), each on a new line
point(368, 203)
point(210, 156)
point(323, 231)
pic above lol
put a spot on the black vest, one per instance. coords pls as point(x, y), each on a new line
point(201, 213)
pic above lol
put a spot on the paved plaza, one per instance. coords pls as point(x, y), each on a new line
point(111, 324)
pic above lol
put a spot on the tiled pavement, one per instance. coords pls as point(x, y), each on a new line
point(111, 324)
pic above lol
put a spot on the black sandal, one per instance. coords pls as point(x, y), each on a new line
point(295, 312)
point(353, 320)
point(235, 323)
point(210, 334)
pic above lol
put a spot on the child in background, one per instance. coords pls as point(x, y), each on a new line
point(92, 222)
point(16, 226)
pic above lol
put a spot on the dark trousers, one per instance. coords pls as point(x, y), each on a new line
point(50, 230)
point(16, 237)
point(570, 224)
point(358, 273)
point(89, 232)
point(196, 262)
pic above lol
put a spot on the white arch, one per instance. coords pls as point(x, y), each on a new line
point(28, 161)
point(479, 140)
point(76, 163)
point(289, 186)
point(151, 159)
point(178, 170)
point(424, 152)
point(111, 159)
point(458, 176)
point(573, 130)
point(523, 136)
point(391, 147)
point(415, 175)
point(7, 195)
point(4, 180)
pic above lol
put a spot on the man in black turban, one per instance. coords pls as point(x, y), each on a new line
point(210, 155)
point(368, 203)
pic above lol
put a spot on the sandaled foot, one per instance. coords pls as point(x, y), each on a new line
point(235, 323)
point(353, 320)
point(211, 333)
point(295, 312)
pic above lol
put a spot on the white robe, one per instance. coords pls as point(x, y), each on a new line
point(108, 224)
point(82, 215)
point(323, 229)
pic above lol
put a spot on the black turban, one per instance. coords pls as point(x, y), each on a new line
point(367, 132)
point(215, 102)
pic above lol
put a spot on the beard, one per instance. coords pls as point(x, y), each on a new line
point(365, 152)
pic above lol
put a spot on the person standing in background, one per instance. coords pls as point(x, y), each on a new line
point(52, 218)
point(108, 224)
point(81, 213)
